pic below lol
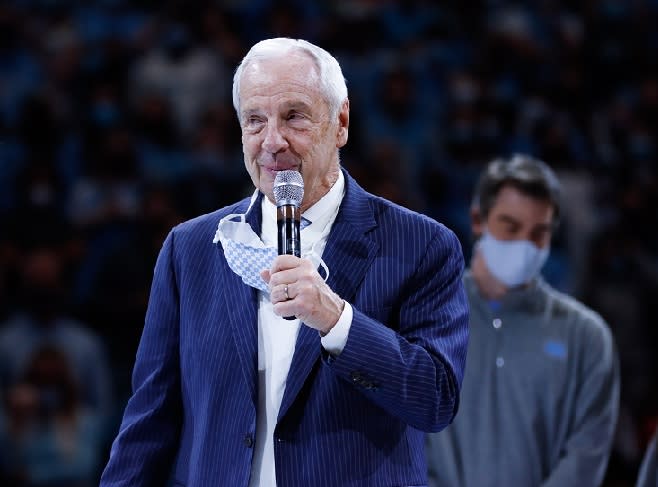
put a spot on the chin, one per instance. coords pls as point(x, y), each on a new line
point(267, 190)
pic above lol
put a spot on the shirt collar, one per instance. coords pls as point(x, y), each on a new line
point(322, 211)
point(525, 298)
point(327, 206)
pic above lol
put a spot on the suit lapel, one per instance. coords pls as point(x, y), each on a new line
point(348, 254)
point(241, 303)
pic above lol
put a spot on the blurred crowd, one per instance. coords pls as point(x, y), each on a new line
point(116, 123)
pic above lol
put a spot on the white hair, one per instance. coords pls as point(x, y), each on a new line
point(332, 82)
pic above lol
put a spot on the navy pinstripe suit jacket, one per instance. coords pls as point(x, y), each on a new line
point(352, 420)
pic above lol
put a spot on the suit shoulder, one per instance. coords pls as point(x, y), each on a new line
point(201, 229)
point(385, 210)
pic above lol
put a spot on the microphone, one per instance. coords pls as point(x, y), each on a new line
point(288, 194)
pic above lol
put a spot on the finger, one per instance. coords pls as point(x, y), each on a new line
point(304, 268)
point(285, 308)
point(285, 262)
point(288, 292)
point(265, 275)
point(281, 293)
point(283, 277)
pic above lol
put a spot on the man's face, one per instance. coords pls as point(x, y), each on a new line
point(515, 216)
point(287, 124)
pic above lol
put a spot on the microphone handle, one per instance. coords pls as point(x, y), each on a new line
point(288, 233)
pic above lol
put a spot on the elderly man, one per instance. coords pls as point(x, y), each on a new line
point(234, 394)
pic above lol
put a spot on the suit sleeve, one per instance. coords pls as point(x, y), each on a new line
point(415, 372)
point(148, 437)
point(584, 457)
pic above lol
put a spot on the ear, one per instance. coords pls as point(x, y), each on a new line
point(343, 124)
point(476, 221)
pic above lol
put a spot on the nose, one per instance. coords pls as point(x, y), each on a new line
point(274, 141)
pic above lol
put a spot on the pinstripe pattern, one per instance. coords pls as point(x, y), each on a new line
point(353, 420)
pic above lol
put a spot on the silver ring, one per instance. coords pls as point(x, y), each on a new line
point(285, 292)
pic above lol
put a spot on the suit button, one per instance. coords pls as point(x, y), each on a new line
point(248, 441)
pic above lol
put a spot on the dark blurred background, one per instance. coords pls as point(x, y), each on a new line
point(116, 123)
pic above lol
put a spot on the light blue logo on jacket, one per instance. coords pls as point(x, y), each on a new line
point(555, 349)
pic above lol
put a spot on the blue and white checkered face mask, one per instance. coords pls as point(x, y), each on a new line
point(245, 252)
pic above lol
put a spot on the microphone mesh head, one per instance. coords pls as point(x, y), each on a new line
point(288, 188)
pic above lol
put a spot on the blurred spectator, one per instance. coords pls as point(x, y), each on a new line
point(116, 294)
point(104, 202)
point(38, 212)
point(20, 69)
point(42, 321)
point(402, 120)
point(216, 161)
point(110, 190)
point(186, 74)
point(49, 438)
point(161, 151)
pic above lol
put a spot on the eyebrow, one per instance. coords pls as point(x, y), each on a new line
point(543, 227)
point(508, 219)
point(250, 111)
point(293, 105)
point(297, 105)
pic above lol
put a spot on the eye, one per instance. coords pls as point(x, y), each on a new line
point(511, 228)
point(296, 116)
point(253, 122)
point(541, 235)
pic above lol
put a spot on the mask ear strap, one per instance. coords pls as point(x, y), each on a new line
point(242, 217)
point(321, 262)
point(325, 269)
point(322, 265)
point(251, 203)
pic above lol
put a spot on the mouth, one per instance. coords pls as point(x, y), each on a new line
point(272, 170)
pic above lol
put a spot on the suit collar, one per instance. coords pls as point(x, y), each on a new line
point(240, 302)
point(255, 216)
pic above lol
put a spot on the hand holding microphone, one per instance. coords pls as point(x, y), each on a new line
point(290, 278)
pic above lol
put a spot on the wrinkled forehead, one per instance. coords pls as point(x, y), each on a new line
point(288, 58)
point(292, 66)
point(294, 72)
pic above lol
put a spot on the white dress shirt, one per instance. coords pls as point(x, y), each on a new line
point(277, 336)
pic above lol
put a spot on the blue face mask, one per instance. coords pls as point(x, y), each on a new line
point(245, 252)
point(247, 255)
point(512, 262)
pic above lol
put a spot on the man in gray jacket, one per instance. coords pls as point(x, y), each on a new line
point(540, 396)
